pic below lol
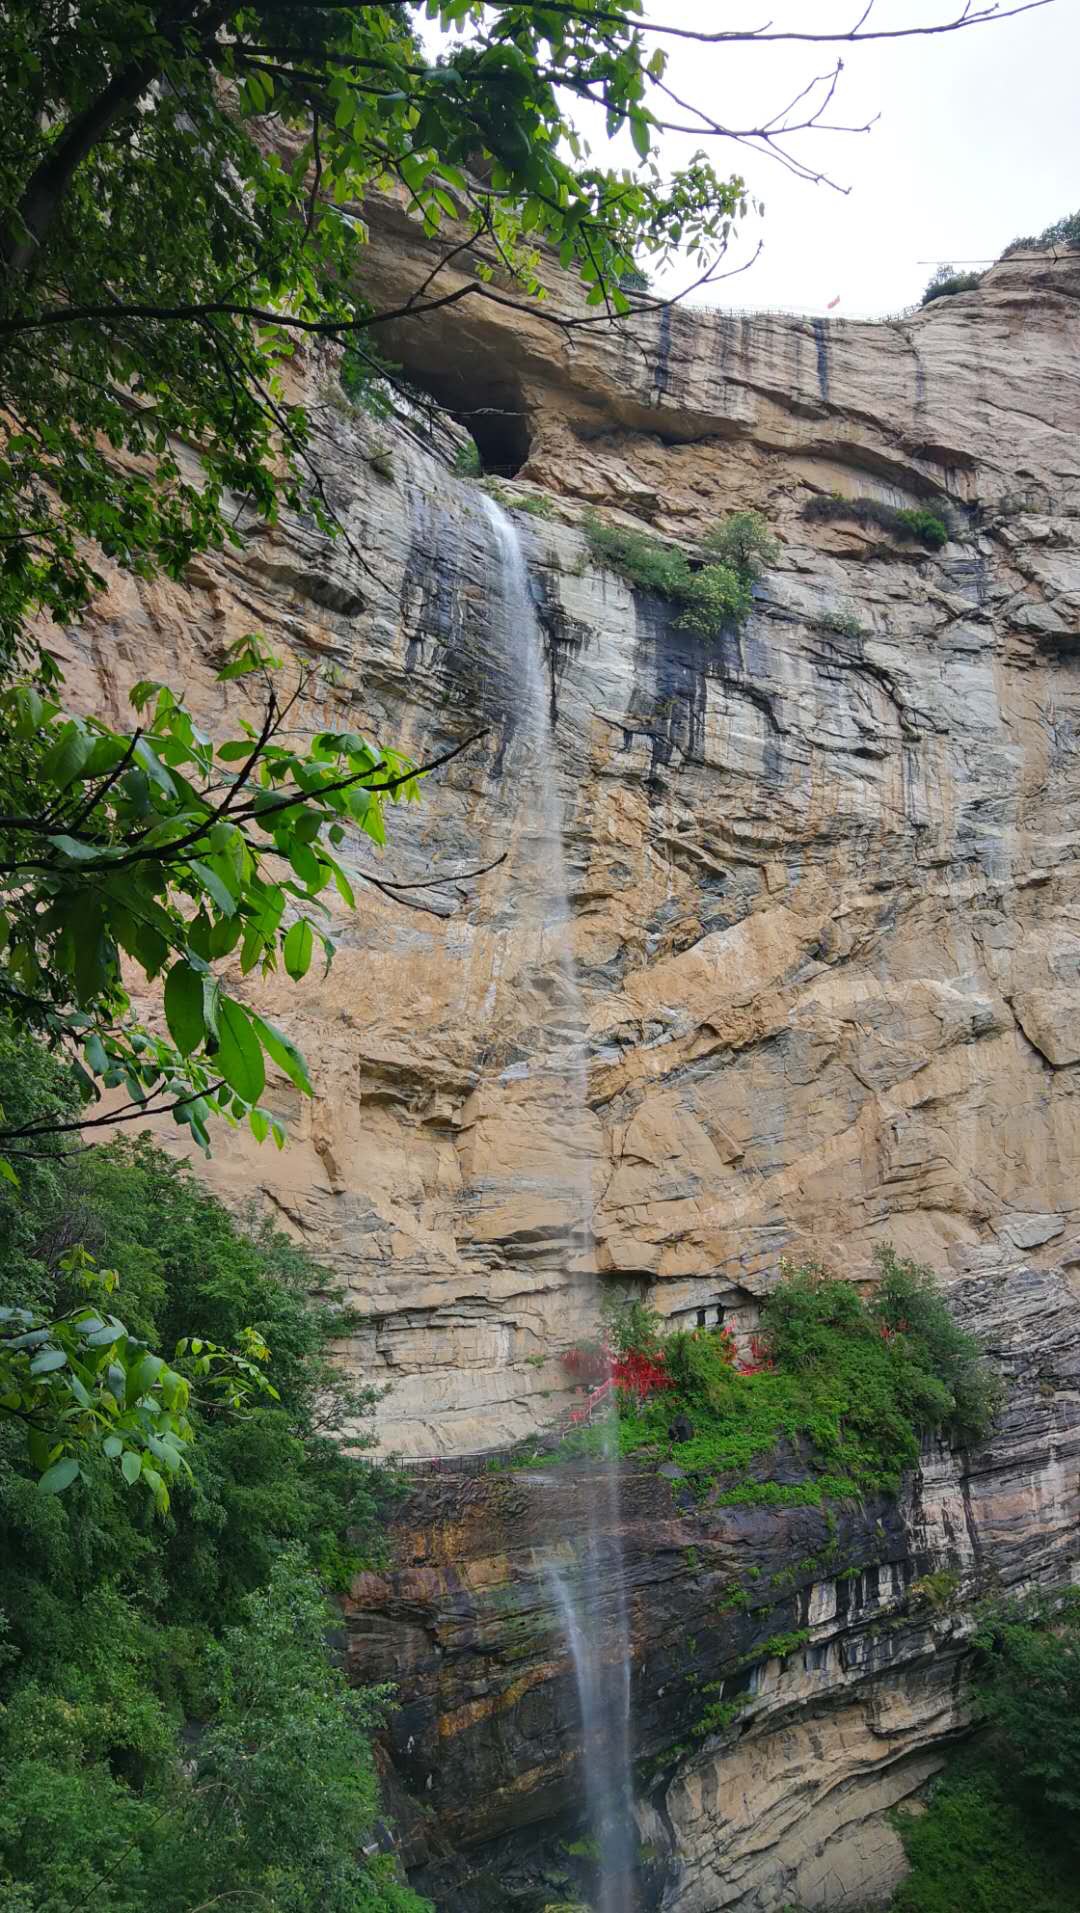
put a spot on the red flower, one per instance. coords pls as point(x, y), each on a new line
point(640, 1375)
point(760, 1360)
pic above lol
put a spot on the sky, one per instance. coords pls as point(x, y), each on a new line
point(978, 142)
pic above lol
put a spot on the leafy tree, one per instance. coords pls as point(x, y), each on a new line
point(975, 1848)
point(162, 847)
point(258, 1434)
point(1028, 1684)
point(81, 1379)
point(946, 280)
point(131, 1650)
point(285, 1784)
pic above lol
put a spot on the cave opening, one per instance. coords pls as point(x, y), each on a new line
point(490, 407)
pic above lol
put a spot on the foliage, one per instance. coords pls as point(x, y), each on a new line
point(853, 1382)
point(714, 594)
point(157, 845)
point(917, 522)
point(1064, 232)
point(161, 250)
point(743, 541)
point(925, 525)
point(946, 280)
point(844, 623)
point(936, 1591)
point(80, 1381)
point(632, 1327)
point(1006, 1817)
point(975, 1833)
point(267, 1467)
point(111, 1612)
point(467, 459)
point(101, 1795)
point(1028, 1686)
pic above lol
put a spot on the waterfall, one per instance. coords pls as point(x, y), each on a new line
point(590, 1599)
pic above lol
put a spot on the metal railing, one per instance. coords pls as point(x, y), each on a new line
point(796, 312)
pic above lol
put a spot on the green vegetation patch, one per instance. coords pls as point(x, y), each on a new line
point(1064, 233)
point(916, 522)
point(174, 1731)
point(947, 281)
point(714, 593)
point(1001, 1833)
point(848, 1384)
point(976, 1839)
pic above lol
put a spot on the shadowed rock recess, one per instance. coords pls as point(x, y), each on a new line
point(825, 897)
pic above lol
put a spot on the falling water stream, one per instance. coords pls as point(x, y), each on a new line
point(590, 1594)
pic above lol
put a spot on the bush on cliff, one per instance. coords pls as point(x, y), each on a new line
point(1064, 235)
point(715, 593)
point(917, 522)
point(947, 281)
point(853, 1382)
point(171, 1726)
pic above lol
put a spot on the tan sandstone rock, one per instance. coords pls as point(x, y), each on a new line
point(823, 871)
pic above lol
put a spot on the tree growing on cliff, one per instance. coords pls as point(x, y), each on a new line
point(182, 186)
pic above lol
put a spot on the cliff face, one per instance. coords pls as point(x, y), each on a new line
point(795, 1672)
point(826, 921)
point(824, 871)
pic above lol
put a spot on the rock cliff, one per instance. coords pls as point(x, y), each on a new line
point(825, 898)
point(796, 1672)
point(823, 871)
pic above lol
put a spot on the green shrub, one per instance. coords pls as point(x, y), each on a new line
point(946, 281)
point(744, 542)
point(646, 563)
point(926, 525)
point(913, 522)
point(1028, 1687)
point(1064, 233)
point(854, 1382)
point(119, 1627)
point(974, 1848)
point(467, 459)
point(714, 594)
point(908, 1299)
point(717, 595)
point(381, 460)
point(844, 623)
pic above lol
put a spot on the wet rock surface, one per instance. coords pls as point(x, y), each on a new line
point(823, 870)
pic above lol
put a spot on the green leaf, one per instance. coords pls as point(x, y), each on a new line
point(131, 1463)
point(47, 1361)
point(284, 1054)
point(297, 949)
point(75, 851)
point(239, 1054)
point(112, 1446)
point(215, 888)
point(7, 1172)
point(184, 1007)
point(59, 1476)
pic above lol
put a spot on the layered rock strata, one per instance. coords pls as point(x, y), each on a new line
point(826, 917)
point(796, 1671)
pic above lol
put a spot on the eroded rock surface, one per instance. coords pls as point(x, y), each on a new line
point(820, 1630)
point(824, 870)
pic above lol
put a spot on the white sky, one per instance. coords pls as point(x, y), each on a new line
point(978, 142)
